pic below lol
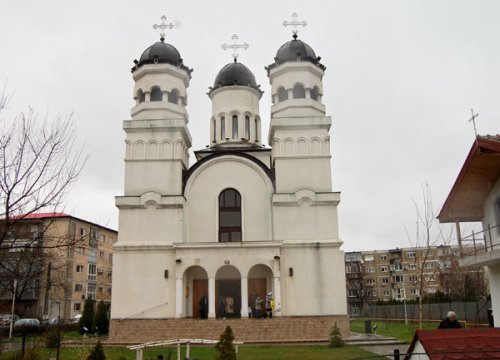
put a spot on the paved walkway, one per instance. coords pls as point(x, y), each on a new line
point(378, 344)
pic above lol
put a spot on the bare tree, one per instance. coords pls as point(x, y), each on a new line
point(429, 234)
point(38, 166)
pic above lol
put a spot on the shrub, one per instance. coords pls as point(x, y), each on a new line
point(97, 353)
point(52, 338)
point(87, 319)
point(336, 337)
point(225, 348)
point(101, 321)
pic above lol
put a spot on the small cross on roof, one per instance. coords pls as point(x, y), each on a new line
point(295, 23)
point(235, 46)
point(163, 26)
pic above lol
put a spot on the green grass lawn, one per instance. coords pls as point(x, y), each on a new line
point(291, 352)
point(393, 329)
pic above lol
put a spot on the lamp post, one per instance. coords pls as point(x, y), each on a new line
point(13, 305)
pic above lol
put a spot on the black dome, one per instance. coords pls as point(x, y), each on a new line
point(295, 50)
point(160, 52)
point(235, 73)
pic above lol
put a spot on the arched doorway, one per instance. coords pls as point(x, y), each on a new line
point(228, 292)
point(260, 283)
point(196, 292)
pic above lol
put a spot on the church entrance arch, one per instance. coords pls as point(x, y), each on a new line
point(228, 292)
point(196, 292)
point(260, 283)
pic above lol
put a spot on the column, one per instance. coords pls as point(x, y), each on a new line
point(211, 298)
point(179, 295)
point(277, 295)
point(244, 297)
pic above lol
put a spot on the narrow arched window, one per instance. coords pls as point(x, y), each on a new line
point(314, 93)
point(173, 96)
point(235, 127)
point(214, 130)
point(222, 128)
point(247, 127)
point(282, 94)
point(156, 94)
point(299, 92)
point(229, 216)
point(141, 96)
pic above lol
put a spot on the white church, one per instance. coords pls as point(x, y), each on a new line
point(244, 220)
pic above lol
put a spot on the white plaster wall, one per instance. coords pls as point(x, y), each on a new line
point(317, 286)
point(306, 222)
point(239, 99)
point(164, 177)
point(202, 193)
point(166, 76)
point(490, 217)
point(140, 289)
point(288, 74)
point(494, 280)
point(293, 174)
point(150, 225)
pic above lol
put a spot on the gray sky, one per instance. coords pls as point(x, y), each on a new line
point(401, 79)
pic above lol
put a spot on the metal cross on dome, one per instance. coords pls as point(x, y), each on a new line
point(235, 46)
point(163, 26)
point(295, 23)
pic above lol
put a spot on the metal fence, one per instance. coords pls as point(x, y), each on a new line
point(471, 312)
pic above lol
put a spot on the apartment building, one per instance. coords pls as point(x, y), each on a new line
point(406, 273)
point(56, 261)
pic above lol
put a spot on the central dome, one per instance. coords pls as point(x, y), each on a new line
point(235, 73)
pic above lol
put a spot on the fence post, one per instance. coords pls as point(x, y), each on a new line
point(396, 354)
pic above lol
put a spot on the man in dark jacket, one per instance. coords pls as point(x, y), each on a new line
point(450, 322)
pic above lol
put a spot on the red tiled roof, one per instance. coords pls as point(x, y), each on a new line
point(457, 344)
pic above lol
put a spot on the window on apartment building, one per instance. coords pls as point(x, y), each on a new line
point(387, 293)
point(413, 279)
point(369, 258)
point(411, 254)
point(102, 239)
point(372, 293)
point(429, 265)
point(110, 258)
point(91, 291)
point(412, 266)
point(371, 281)
point(385, 281)
point(415, 292)
point(82, 232)
point(77, 306)
point(397, 279)
point(110, 273)
point(370, 269)
point(396, 267)
point(100, 271)
point(79, 268)
point(352, 293)
point(383, 257)
point(100, 289)
point(109, 291)
point(101, 255)
point(92, 272)
point(78, 287)
point(384, 269)
point(80, 250)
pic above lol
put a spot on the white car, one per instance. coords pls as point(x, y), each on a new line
point(27, 322)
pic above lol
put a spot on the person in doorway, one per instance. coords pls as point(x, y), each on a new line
point(204, 306)
point(258, 307)
point(450, 322)
point(269, 309)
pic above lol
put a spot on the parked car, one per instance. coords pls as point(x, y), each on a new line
point(76, 319)
point(27, 322)
point(6, 319)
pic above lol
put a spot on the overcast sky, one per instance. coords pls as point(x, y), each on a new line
point(401, 79)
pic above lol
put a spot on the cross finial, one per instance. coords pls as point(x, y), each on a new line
point(295, 23)
point(163, 26)
point(235, 46)
point(473, 119)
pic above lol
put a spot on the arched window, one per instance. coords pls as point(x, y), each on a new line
point(156, 94)
point(222, 127)
point(229, 216)
point(314, 93)
point(214, 130)
point(141, 96)
point(173, 96)
point(235, 127)
point(247, 127)
point(299, 92)
point(282, 94)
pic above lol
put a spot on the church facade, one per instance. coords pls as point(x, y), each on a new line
point(245, 221)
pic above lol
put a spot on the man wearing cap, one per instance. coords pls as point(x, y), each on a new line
point(450, 322)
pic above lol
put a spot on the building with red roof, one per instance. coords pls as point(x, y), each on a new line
point(475, 197)
point(455, 344)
